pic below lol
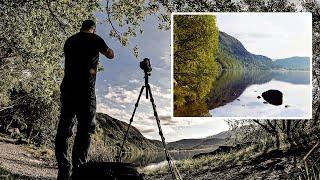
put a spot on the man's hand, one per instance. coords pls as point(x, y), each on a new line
point(109, 53)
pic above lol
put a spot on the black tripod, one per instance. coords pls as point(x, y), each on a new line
point(175, 174)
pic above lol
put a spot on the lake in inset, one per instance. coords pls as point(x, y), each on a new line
point(238, 94)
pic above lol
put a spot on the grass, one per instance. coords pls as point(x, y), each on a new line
point(310, 172)
point(6, 175)
point(42, 152)
point(209, 162)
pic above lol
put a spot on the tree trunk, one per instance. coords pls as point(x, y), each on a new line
point(277, 140)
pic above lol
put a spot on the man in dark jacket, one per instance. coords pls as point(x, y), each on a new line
point(78, 96)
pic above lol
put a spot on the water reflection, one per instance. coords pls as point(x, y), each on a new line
point(235, 93)
point(238, 90)
point(154, 159)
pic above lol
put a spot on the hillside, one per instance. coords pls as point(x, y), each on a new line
point(115, 129)
point(109, 135)
point(234, 48)
point(221, 135)
point(233, 55)
point(294, 63)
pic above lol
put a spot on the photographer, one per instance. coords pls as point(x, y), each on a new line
point(78, 96)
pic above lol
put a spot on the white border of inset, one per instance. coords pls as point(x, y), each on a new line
point(237, 118)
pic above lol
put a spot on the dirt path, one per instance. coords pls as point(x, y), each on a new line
point(16, 160)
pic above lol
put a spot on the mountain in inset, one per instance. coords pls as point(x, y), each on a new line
point(232, 52)
point(235, 48)
point(293, 63)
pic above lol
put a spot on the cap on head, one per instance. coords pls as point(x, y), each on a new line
point(87, 24)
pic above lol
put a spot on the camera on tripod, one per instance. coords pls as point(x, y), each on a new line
point(145, 65)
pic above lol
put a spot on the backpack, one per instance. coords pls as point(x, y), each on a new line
point(107, 171)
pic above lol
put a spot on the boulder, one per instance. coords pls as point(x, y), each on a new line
point(273, 97)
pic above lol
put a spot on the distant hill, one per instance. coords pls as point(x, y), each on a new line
point(293, 63)
point(233, 47)
point(222, 135)
point(189, 144)
point(232, 53)
point(208, 142)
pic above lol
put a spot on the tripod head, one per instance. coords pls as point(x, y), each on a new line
point(145, 65)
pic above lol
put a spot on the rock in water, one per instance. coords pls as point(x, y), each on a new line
point(273, 97)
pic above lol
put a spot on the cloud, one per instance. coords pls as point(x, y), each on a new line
point(164, 65)
point(121, 95)
point(165, 119)
point(117, 113)
point(166, 56)
point(160, 92)
point(145, 128)
point(134, 81)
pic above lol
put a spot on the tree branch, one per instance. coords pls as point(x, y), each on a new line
point(5, 108)
point(263, 126)
point(62, 26)
point(110, 22)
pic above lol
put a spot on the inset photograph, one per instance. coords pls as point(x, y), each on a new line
point(242, 65)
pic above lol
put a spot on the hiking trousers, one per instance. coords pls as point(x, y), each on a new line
point(83, 107)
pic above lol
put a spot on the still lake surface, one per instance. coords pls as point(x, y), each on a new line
point(235, 94)
point(154, 160)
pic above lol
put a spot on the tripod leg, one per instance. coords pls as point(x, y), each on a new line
point(118, 158)
point(148, 89)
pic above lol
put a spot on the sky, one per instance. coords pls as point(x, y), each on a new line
point(118, 85)
point(273, 35)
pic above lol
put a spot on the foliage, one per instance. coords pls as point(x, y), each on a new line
point(267, 6)
point(32, 37)
point(235, 49)
point(195, 48)
point(227, 61)
point(194, 109)
point(126, 17)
